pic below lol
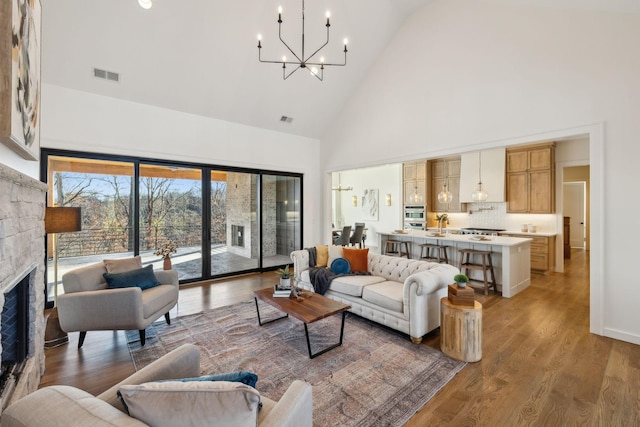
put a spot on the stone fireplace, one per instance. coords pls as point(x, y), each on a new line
point(22, 207)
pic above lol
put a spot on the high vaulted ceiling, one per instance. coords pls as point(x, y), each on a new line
point(201, 56)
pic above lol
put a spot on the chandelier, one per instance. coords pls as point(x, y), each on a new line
point(316, 68)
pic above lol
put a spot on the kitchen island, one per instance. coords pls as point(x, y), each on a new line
point(511, 255)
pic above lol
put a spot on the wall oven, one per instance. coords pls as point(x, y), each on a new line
point(415, 217)
point(416, 213)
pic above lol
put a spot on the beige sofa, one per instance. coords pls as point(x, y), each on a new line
point(67, 406)
point(400, 293)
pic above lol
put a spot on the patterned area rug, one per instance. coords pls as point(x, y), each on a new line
point(377, 377)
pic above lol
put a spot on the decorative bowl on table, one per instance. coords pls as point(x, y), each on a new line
point(400, 231)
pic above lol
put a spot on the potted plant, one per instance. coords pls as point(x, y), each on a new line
point(461, 280)
point(285, 276)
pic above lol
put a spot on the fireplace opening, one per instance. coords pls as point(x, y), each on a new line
point(237, 235)
point(14, 330)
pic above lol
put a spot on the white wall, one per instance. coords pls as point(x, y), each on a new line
point(464, 74)
point(75, 120)
point(10, 158)
point(387, 179)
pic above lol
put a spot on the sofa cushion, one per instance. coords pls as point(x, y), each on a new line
point(64, 406)
point(352, 285)
point(340, 266)
point(201, 403)
point(334, 252)
point(322, 255)
point(122, 265)
point(358, 259)
point(142, 278)
point(387, 294)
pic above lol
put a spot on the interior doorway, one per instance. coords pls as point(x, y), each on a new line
point(574, 196)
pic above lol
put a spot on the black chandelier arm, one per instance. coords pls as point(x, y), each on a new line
point(285, 76)
point(330, 64)
point(284, 43)
point(320, 48)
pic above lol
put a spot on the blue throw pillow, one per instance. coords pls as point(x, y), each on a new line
point(340, 266)
point(142, 278)
point(244, 377)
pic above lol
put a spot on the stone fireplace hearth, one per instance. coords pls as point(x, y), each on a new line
point(22, 207)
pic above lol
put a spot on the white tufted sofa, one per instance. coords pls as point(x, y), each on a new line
point(403, 294)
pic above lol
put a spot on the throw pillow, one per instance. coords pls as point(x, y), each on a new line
point(244, 377)
point(358, 258)
point(199, 403)
point(322, 255)
point(334, 252)
point(340, 266)
point(122, 265)
point(142, 278)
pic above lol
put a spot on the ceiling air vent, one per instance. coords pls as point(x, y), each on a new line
point(106, 75)
point(286, 119)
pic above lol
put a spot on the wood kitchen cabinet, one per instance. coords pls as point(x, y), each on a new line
point(439, 172)
point(531, 179)
point(543, 250)
point(414, 178)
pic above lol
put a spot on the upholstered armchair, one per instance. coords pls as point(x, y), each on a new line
point(89, 304)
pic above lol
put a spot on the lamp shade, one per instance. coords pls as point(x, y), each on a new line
point(62, 220)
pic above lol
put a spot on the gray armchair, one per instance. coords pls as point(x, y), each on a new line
point(88, 305)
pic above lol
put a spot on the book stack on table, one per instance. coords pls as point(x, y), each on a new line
point(281, 291)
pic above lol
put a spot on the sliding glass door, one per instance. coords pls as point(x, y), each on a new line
point(170, 213)
point(281, 218)
point(234, 225)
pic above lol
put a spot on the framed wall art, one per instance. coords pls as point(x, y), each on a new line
point(20, 40)
point(370, 204)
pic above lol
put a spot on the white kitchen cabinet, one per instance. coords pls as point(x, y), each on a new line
point(492, 174)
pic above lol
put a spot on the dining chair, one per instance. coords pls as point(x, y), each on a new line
point(358, 234)
point(344, 237)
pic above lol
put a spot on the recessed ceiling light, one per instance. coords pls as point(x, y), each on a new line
point(145, 4)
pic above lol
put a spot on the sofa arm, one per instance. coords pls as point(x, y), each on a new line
point(183, 362)
point(300, 262)
point(294, 409)
point(428, 282)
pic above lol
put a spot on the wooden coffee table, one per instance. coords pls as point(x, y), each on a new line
point(309, 308)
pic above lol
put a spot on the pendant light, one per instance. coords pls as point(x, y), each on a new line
point(415, 197)
point(445, 195)
point(479, 195)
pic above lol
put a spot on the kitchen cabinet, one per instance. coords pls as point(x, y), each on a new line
point(414, 178)
point(441, 171)
point(543, 249)
point(492, 174)
point(531, 179)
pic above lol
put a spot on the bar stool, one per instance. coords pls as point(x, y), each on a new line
point(397, 248)
point(468, 264)
point(434, 252)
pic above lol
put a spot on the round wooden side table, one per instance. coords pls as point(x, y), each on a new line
point(461, 330)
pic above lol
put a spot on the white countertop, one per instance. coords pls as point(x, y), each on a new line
point(468, 238)
point(525, 233)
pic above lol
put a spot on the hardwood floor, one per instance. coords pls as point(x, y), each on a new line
point(540, 364)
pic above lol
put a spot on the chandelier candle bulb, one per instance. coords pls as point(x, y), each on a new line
point(328, 16)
